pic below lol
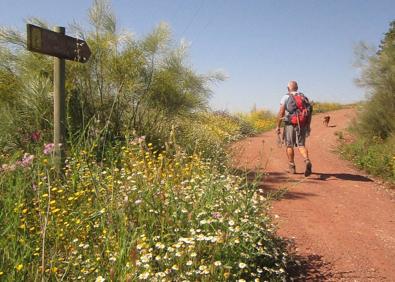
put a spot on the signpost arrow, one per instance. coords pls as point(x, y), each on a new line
point(56, 44)
point(62, 47)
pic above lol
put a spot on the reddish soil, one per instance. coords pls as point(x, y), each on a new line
point(341, 221)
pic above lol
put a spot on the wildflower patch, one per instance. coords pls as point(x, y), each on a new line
point(141, 215)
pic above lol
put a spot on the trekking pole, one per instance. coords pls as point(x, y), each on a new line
point(298, 131)
point(280, 140)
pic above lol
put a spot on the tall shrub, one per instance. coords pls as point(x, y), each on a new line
point(128, 84)
point(378, 77)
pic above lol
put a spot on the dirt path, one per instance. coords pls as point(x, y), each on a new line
point(341, 221)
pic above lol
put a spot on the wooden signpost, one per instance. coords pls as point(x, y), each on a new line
point(62, 47)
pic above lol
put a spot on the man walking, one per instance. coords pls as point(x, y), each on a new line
point(295, 110)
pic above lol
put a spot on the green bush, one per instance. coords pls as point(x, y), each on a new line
point(373, 149)
point(128, 84)
point(375, 156)
point(378, 77)
point(260, 120)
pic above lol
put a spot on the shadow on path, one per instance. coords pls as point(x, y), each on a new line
point(314, 268)
point(274, 184)
point(278, 185)
point(268, 179)
point(342, 176)
point(310, 268)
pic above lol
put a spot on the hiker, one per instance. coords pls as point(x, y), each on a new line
point(295, 110)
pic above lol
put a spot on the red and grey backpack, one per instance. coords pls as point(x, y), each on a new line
point(299, 109)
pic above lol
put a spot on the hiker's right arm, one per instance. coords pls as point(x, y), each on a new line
point(280, 117)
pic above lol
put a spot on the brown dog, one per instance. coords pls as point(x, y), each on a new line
point(326, 120)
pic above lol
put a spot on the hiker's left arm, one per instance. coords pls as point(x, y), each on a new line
point(308, 129)
point(280, 116)
point(310, 117)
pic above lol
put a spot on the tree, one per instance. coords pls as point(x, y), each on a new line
point(378, 76)
point(127, 85)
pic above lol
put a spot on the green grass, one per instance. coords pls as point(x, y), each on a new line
point(141, 214)
point(375, 156)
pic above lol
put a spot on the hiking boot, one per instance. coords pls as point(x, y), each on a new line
point(309, 166)
point(292, 168)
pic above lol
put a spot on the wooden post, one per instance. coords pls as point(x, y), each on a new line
point(56, 43)
point(59, 109)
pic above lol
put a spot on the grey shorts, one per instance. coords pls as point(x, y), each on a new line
point(293, 136)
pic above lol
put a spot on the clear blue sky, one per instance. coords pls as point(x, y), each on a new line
point(260, 44)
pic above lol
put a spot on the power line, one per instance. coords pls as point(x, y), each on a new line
point(193, 17)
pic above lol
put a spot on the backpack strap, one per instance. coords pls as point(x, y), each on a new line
point(305, 100)
point(291, 96)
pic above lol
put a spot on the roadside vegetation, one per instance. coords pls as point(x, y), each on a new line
point(260, 119)
point(374, 145)
point(322, 107)
point(146, 192)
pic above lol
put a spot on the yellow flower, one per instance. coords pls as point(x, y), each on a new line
point(19, 267)
point(1, 273)
point(56, 210)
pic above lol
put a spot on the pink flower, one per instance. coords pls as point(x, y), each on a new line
point(48, 148)
point(141, 139)
point(216, 215)
point(35, 136)
point(27, 160)
point(138, 140)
